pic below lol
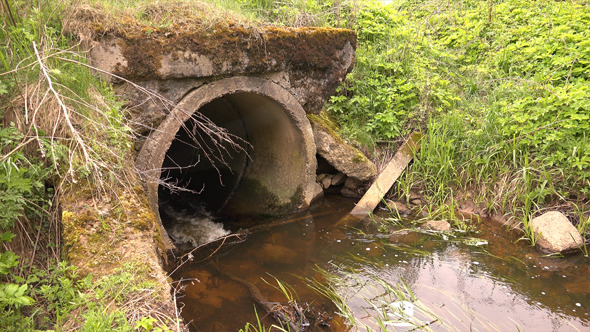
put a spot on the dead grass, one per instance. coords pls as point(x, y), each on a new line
point(163, 18)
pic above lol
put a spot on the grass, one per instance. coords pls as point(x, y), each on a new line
point(62, 116)
point(464, 73)
point(259, 326)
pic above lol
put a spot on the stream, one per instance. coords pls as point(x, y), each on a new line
point(417, 281)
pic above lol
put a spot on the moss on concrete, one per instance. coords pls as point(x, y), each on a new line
point(359, 157)
point(102, 232)
point(254, 198)
point(327, 123)
point(179, 27)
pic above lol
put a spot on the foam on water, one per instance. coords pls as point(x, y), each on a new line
point(196, 228)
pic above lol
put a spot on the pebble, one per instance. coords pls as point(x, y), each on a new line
point(578, 304)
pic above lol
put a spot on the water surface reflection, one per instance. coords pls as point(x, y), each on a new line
point(501, 286)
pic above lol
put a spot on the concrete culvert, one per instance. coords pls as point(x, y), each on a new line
point(270, 169)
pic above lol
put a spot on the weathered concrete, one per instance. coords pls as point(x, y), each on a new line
point(344, 157)
point(307, 62)
point(281, 164)
point(256, 82)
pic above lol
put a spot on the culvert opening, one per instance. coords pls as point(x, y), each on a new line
point(266, 173)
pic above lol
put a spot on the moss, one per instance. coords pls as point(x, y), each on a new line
point(359, 158)
point(100, 233)
point(254, 198)
point(224, 41)
point(297, 198)
point(329, 125)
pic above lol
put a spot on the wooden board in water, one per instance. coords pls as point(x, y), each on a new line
point(387, 177)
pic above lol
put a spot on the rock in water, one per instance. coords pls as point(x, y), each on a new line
point(400, 207)
point(437, 225)
point(338, 179)
point(555, 233)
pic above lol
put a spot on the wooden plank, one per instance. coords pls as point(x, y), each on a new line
point(387, 177)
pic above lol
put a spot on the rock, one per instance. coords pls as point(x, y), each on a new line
point(405, 237)
point(555, 233)
point(326, 182)
point(353, 184)
point(437, 225)
point(317, 193)
point(338, 179)
point(341, 155)
point(415, 199)
point(353, 188)
point(320, 177)
point(350, 193)
point(400, 207)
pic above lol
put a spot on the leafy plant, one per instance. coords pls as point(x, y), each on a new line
point(501, 89)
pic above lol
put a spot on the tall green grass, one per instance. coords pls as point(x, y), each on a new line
point(500, 89)
point(61, 125)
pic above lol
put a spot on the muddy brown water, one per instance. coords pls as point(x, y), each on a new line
point(503, 285)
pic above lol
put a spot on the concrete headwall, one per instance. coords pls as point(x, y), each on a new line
point(257, 83)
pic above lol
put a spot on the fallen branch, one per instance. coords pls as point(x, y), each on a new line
point(276, 310)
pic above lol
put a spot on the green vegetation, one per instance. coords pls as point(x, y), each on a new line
point(62, 128)
point(501, 89)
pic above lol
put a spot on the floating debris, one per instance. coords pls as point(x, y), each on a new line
point(473, 241)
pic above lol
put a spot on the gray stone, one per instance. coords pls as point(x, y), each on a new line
point(338, 179)
point(353, 188)
point(353, 184)
point(320, 177)
point(350, 193)
point(326, 182)
point(405, 236)
point(415, 199)
point(437, 225)
point(555, 233)
point(344, 157)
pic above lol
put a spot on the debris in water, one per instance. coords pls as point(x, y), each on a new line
point(403, 310)
point(472, 241)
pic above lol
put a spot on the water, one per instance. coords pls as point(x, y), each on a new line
point(452, 284)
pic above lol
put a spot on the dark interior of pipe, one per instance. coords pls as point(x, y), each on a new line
point(202, 169)
point(260, 173)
